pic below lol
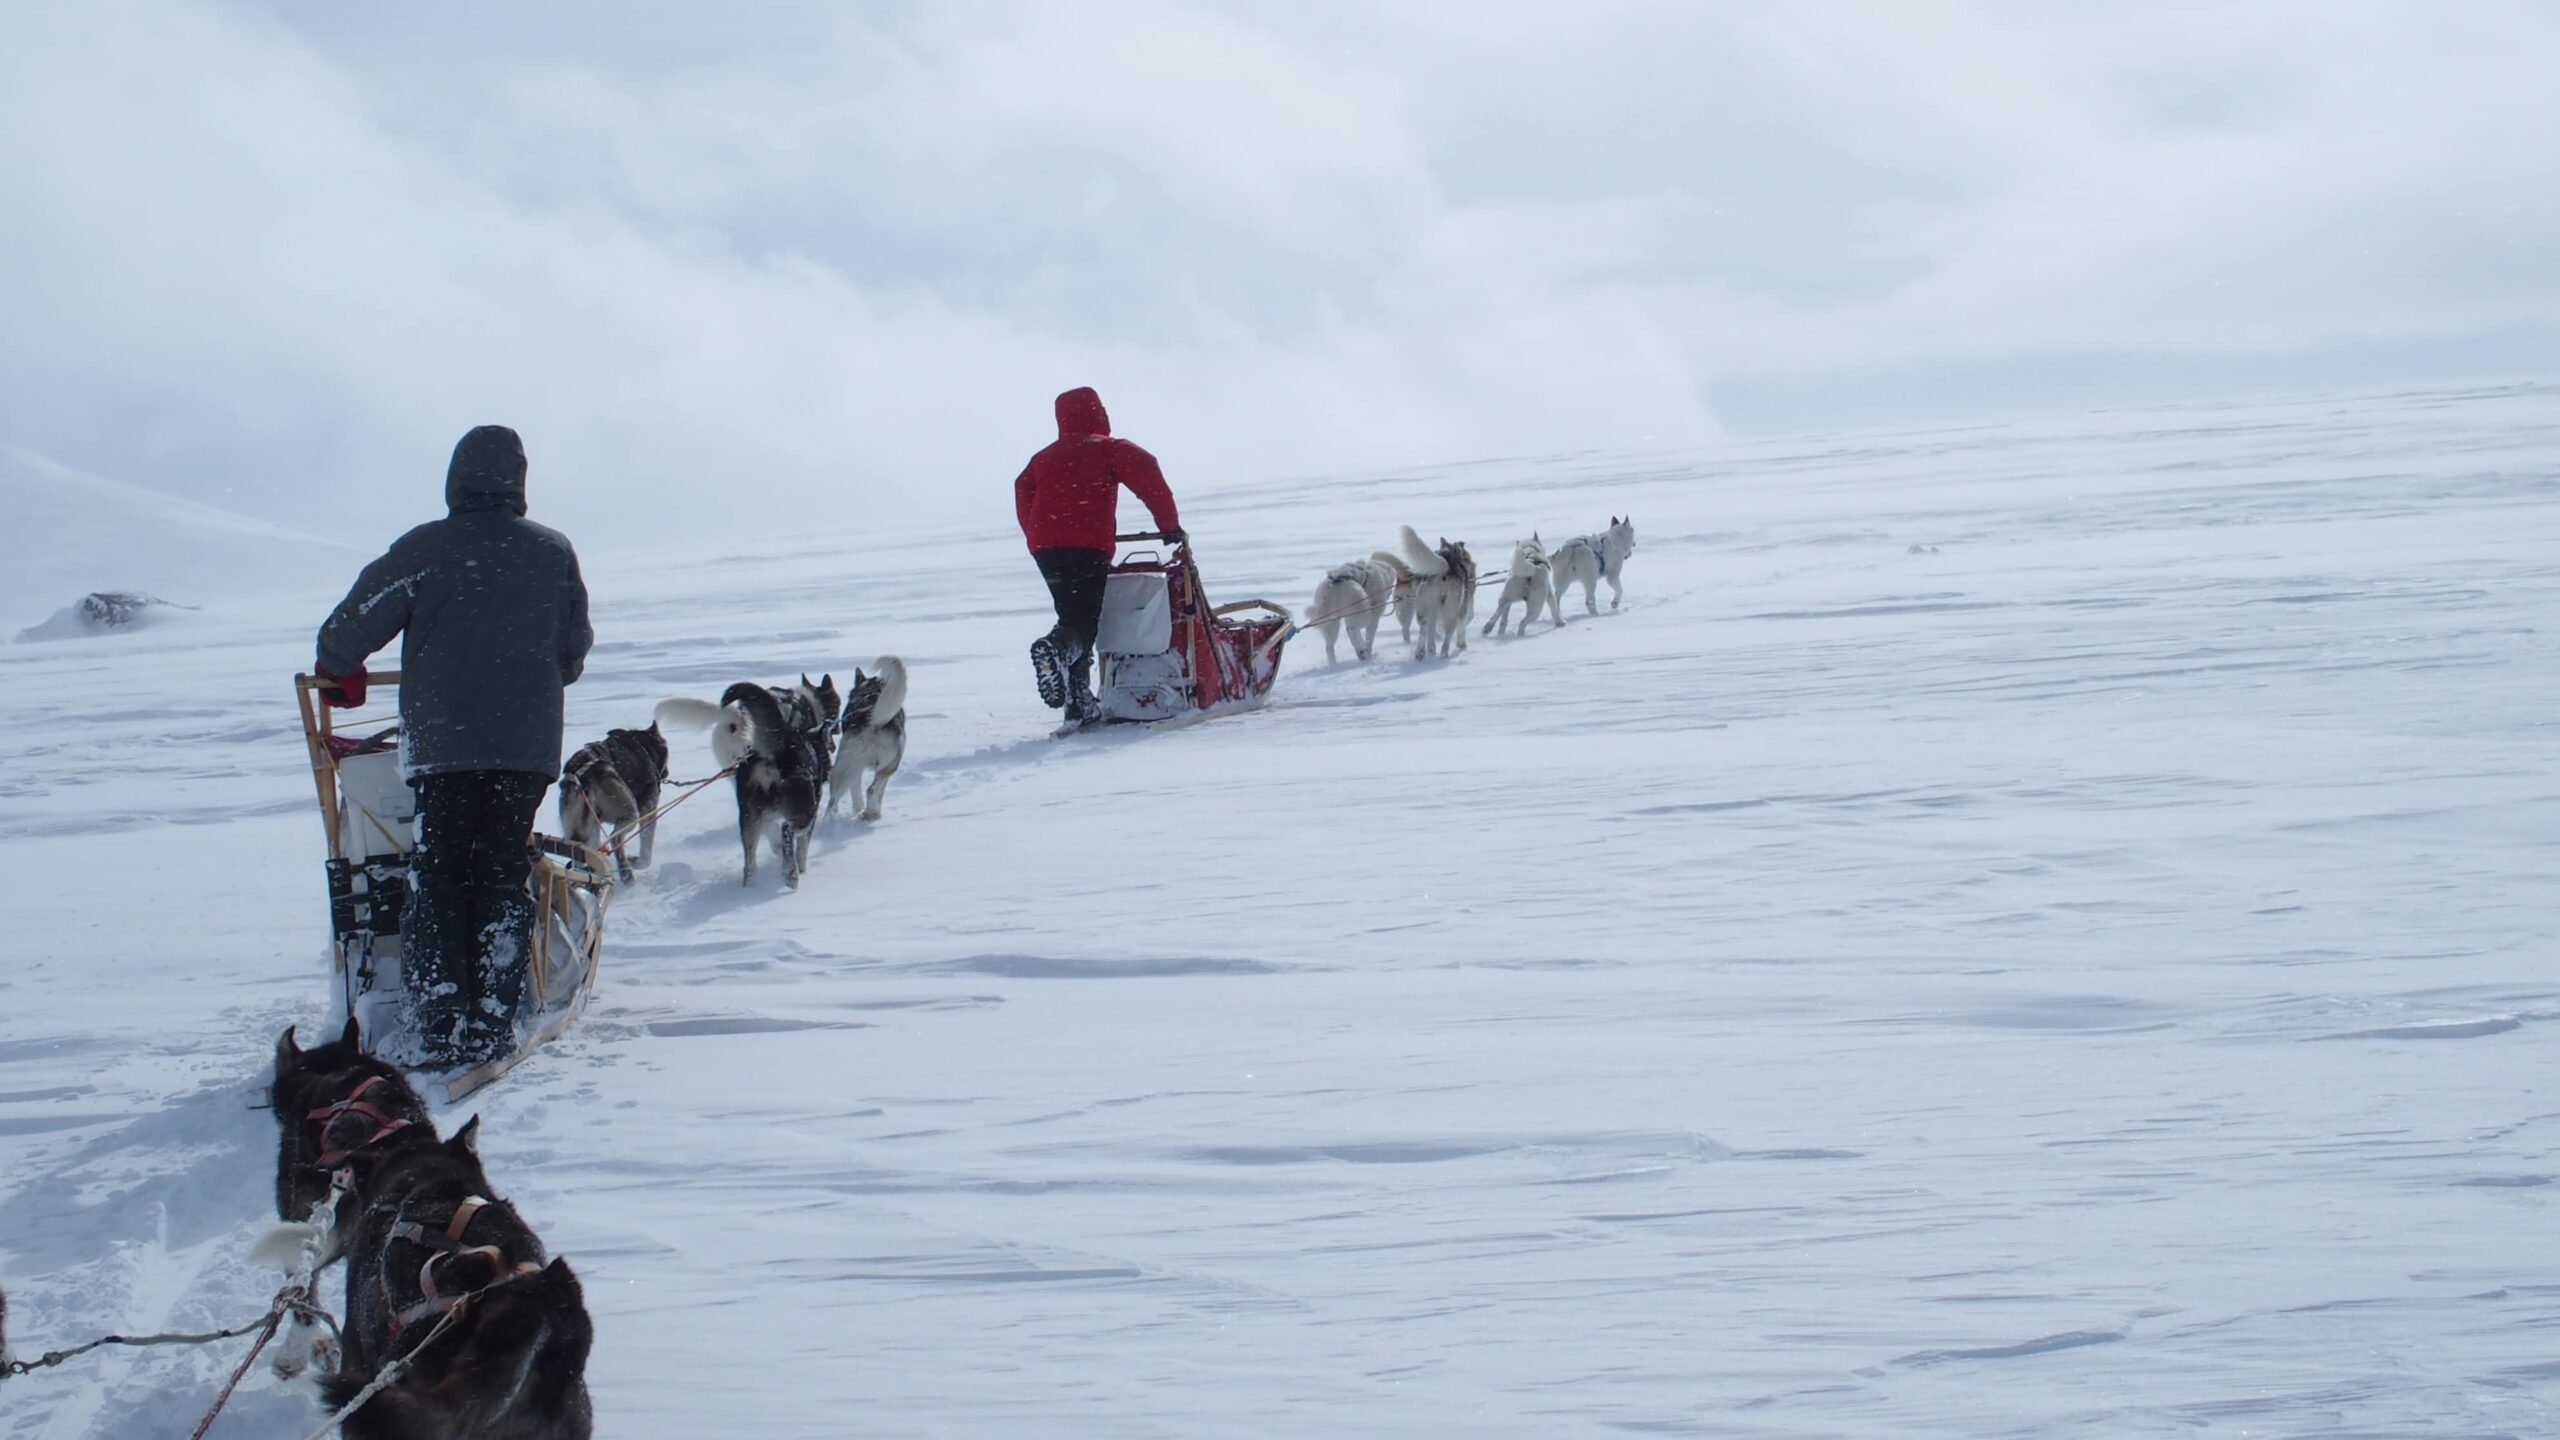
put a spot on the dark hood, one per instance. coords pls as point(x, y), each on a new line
point(1080, 412)
point(487, 472)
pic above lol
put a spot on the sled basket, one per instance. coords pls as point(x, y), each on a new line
point(1165, 652)
point(370, 815)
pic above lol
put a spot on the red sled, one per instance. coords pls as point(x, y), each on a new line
point(1166, 653)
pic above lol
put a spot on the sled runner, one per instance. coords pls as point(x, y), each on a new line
point(1164, 653)
point(368, 809)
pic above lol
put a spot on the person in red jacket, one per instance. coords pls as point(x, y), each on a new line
point(1068, 501)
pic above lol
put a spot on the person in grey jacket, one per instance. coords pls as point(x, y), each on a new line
point(492, 618)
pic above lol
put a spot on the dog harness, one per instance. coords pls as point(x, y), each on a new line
point(444, 1245)
point(385, 1124)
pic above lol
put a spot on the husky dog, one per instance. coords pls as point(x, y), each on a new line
point(1586, 560)
point(779, 779)
point(873, 736)
point(813, 709)
point(336, 1106)
point(1531, 585)
point(431, 1247)
point(1444, 590)
point(6, 1359)
point(1356, 597)
point(780, 776)
point(608, 786)
point(338, 1111)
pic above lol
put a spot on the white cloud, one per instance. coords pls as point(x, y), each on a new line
point(279, 258)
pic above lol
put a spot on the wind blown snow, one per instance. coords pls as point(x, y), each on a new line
point(2035, 930)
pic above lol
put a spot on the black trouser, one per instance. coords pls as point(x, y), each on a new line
point(1076, 579)
point(468, 936)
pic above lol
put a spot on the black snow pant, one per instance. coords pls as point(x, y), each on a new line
point(1076, 579)
point(467, 939)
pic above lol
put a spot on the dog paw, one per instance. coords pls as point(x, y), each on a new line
point(871, 814)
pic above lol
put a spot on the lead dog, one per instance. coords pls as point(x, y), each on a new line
point(1444, 591)
point(1586, 560)
point(778, 770)
point(1531, 584)
point(1356, 597)
point(609, 786)
point(873, 736)
point(432, 1248)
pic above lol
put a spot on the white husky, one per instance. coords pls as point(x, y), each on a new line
point(1443, 582)
point(1356, 597)
point(1586, 560)
point(873, 736)
point(1531, 584)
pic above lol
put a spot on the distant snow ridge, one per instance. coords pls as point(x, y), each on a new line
point(100, 612)
point(69, 532)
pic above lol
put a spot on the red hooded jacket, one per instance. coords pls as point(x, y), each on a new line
point(1068, 497)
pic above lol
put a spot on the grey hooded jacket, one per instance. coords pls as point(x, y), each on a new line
point(492, 616)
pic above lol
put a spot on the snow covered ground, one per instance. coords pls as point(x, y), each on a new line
point(2033, 930)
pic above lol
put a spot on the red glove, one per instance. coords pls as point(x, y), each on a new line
point(340, 692)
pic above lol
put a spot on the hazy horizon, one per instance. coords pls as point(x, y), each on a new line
point(795, 258)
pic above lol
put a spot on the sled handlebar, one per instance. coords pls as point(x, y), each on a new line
point(371, 677)
point(1137, 536)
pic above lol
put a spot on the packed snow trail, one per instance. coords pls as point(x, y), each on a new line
point(2030, 930)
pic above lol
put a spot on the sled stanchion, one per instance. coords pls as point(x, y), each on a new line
point(315, 732)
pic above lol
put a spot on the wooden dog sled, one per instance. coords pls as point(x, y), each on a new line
point(368, 810)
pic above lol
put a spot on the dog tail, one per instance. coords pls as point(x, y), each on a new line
point(1403, 572)
point(688, 714)
point(892, 673)
point(731, 735)
point(282, 1246)
point(769, 730)
point(1424, 562)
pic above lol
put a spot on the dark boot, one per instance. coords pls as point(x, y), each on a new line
point(1049, 668)
point(502, 923)
point(435, 967)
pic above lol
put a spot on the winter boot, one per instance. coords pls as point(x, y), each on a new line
point(1083, 706)
point(1049, 668)
point(434, 968)
point(502, 920)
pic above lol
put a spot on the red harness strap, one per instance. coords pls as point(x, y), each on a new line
point(385, 1124)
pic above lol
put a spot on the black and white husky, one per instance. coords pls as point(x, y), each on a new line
point(431, 1246)
point(1530, 584)
point(609, 786)
point(1356, 597)
point(1444, 590)
point(1586, 560)
point(780, 772)
point(873, 736)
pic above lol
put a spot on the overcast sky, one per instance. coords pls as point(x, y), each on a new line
point(710, 258)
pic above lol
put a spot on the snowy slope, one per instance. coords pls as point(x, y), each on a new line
point(2038, 930)
point(69, 534)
